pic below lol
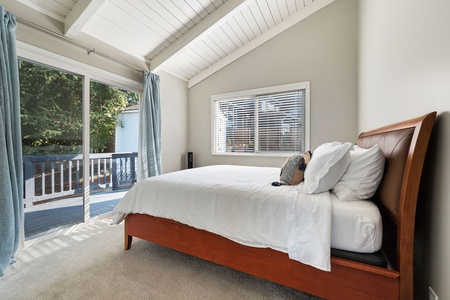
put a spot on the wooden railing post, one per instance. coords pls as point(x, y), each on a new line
point(133, 161)
point(114, 173)
point(29, 181)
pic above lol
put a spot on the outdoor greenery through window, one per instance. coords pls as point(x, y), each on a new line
point(268, 120)
point(51, 111)
point(51, 114)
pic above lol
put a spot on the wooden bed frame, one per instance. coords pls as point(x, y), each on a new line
point(405, 145)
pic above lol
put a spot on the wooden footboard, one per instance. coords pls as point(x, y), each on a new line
point(347, 279)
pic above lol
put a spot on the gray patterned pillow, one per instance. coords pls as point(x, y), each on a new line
point(294, 167)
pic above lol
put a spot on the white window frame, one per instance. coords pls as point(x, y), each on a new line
point(260, 91)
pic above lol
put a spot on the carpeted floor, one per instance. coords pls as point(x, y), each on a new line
point(87, 261)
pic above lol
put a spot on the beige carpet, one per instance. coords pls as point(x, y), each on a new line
point(87, 261)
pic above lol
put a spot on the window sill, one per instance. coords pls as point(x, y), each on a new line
point(257, 154)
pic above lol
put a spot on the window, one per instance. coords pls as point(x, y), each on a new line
point(268, 120)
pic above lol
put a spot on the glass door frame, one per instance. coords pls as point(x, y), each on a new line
point(86, 152)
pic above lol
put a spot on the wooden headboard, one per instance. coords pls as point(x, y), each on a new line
point(404, 145)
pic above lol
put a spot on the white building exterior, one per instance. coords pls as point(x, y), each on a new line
point(127, 134)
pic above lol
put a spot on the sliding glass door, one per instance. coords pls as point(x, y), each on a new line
point(52, 123)
point(79, 129)
point(114, 116)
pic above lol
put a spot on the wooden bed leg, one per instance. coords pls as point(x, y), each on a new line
point(127, 238)
point(127, 242)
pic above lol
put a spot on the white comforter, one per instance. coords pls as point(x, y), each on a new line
point(239, 203)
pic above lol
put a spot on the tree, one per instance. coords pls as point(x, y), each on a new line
point(51, 111)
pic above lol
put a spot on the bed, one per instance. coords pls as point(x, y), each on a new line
point(340, 273)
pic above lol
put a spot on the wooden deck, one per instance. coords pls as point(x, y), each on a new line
point(51, 216)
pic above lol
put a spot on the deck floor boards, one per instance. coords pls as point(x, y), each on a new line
point(48, 217)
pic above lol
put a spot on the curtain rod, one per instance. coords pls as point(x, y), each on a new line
point(72, 42)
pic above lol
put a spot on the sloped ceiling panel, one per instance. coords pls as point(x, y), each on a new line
point(190, 39)
point(57, 9)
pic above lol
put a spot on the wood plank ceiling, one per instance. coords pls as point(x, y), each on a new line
point(190, 39)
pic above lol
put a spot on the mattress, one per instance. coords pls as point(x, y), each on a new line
point(356, 226)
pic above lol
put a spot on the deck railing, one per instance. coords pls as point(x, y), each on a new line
point(54, 176)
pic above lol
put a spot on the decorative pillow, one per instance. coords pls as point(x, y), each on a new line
point(294, 167)
point(363, 175)
point(328, 163)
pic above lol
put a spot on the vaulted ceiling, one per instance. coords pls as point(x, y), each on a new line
point(190, 39)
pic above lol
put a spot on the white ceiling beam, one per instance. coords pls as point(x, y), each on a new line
point(201, 29)
point(41, 9)
point(259, 40)
point(80, 15)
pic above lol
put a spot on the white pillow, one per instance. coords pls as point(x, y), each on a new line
point(327, 165)
point(363, 175)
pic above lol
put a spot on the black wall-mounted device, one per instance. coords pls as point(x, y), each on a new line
point(190, 160)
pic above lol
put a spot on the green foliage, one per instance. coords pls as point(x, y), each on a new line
point(51, 111)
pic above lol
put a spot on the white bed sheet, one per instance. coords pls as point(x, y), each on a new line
point(239, 203)
point(356, 226)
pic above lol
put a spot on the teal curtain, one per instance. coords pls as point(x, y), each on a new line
point(11, 174)
point(150, 128)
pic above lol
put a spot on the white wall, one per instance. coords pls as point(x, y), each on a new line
point(321, 49)
point(174, 114)
point(404, 72)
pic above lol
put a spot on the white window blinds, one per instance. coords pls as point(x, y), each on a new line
point(281, 122)
point(234, 122)
point(270, 122)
